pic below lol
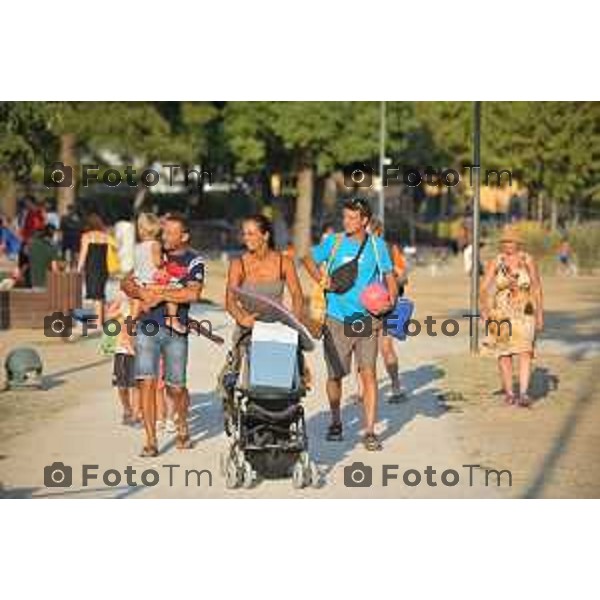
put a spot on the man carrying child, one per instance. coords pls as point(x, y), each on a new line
point(161, 332)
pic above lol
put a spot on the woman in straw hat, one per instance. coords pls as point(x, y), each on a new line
point(512, 309)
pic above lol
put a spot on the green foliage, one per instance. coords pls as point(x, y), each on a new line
point(446, 133)
point(325, 135)
point(585, 241)
point(552, 147)
point(24, 137)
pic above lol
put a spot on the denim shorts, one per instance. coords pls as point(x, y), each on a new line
point(173, 348)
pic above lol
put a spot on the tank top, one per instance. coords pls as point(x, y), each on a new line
point(271, 289)
point(144, 269)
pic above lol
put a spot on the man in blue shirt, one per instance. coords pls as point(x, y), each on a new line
point(349, 328)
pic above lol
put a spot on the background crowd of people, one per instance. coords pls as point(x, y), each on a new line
point(145, 269)
point(37, 238)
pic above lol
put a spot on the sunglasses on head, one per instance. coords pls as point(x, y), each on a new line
point(359, 204)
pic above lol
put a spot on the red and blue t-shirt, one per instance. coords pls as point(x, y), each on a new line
point(189, 265)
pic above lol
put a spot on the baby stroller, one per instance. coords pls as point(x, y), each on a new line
point(264, 418)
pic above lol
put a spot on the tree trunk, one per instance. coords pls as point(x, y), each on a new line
point(412, 229)
point(330, 194)
point(303, 216)
point(540, 208)
point(140, 197)
point(554, 214)
point(68, 156)
point(577, 211)
point(8, 194)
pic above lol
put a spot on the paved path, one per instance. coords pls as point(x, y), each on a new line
point(416, 434)
point(423, 431)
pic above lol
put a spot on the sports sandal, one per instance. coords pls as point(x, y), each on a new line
point(334, 433)
point(371, 443)
point(397, 396)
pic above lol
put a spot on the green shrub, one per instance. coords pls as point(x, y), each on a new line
point(585, 241)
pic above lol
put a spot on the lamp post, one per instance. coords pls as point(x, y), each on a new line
point(474, 340)
point(381, 163)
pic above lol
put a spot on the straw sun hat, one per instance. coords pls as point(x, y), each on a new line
point(511, 234)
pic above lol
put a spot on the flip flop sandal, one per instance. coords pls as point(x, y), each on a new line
point(524, 401)
point(184, 444)
point(509, 399)
point(334, 433)
point(397, 397)
point(149, 452)
point(371, 443)
point(127, 420)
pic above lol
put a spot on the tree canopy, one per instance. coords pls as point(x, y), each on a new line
point(551, 147)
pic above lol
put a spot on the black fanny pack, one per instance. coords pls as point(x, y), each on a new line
point(343, 278)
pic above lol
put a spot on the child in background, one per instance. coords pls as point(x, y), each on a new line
point(150, 271)
point(565, 258)
point(124, 361)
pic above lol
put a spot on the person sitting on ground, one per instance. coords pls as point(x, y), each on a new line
point(9, 240)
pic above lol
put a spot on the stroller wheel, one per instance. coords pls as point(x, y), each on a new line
point(299, 475)
point(248, 475)
point(316, 479)
point(228, 426)
point(232, 475)
point(223, 464)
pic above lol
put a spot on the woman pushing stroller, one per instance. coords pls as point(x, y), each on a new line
point(261, 270)
point(264, 423)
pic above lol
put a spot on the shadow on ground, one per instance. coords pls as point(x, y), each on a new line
point(543, 382)
point(205, 419)
point(423, 400)
point(584, 398)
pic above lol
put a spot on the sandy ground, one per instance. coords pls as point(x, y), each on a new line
point(453, 417)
